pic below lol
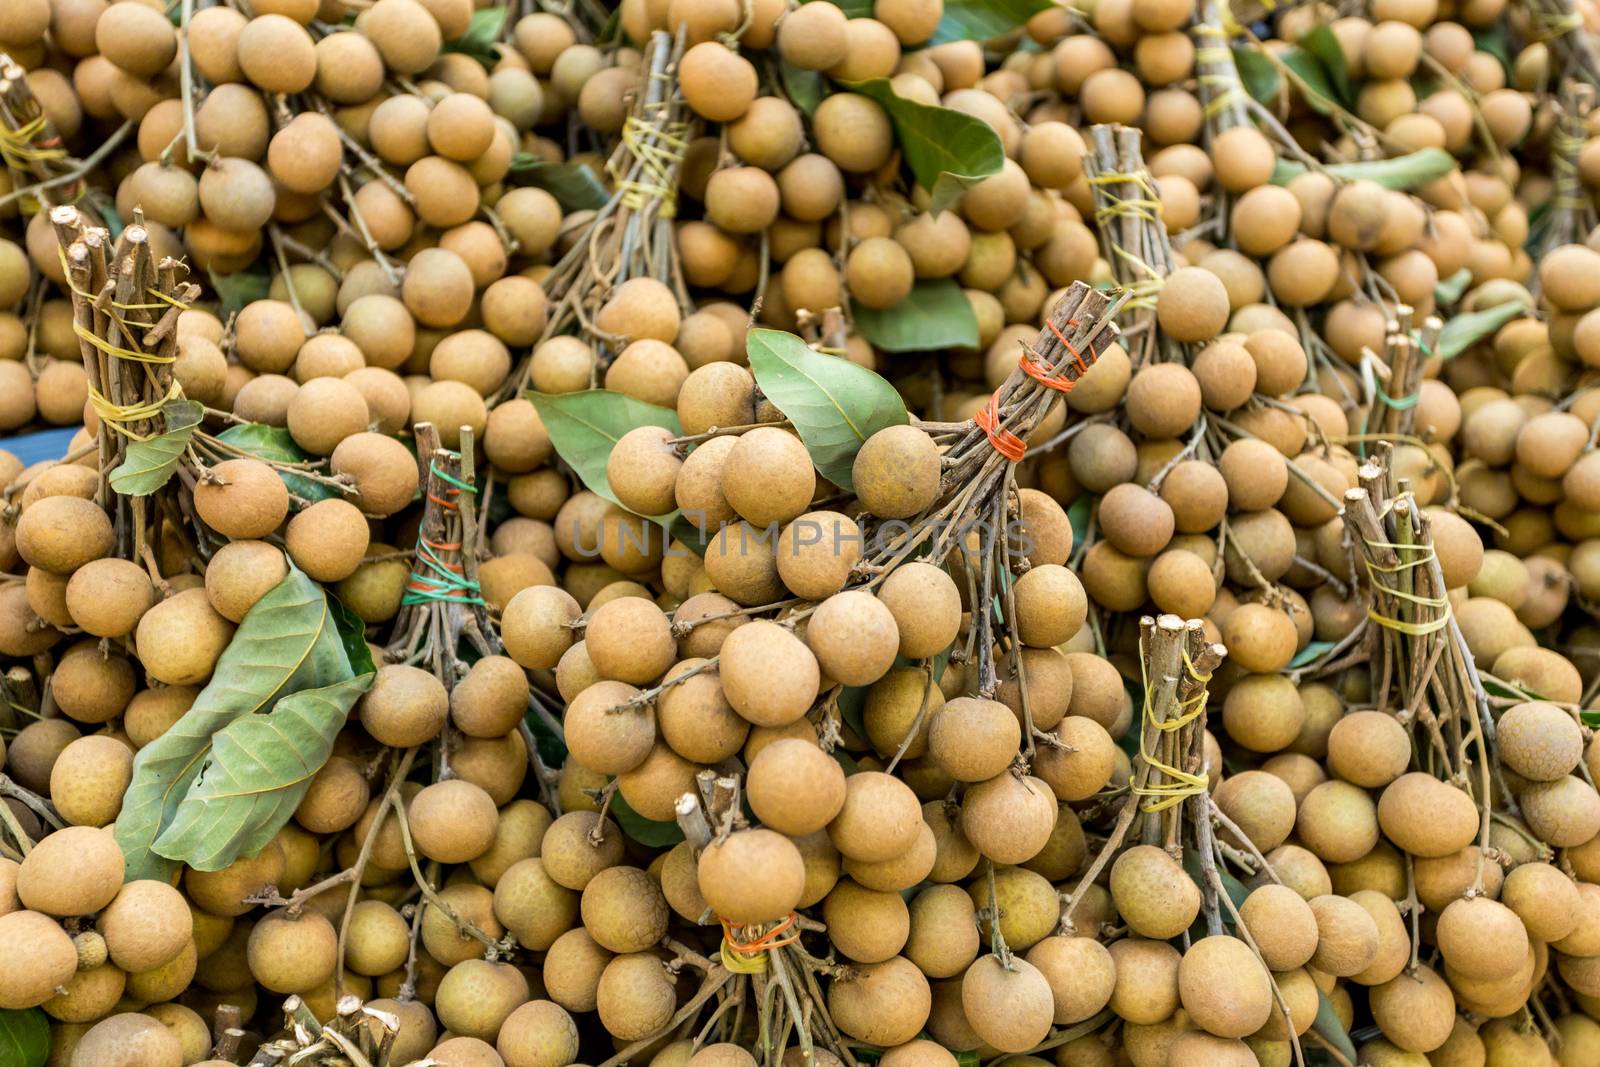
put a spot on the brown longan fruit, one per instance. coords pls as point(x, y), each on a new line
point(405, 707)
point(276, 54)
point(1427, 817)
point(1163, 399)
point(768, 674)
point(1192, 305)
point(129, 1037)
point(853, 636)
point(335, 799)
point(89, 778)
point(138, 39)
point(853, 131)
point(62, 533)
point(107, 597)
point(384, 471)
point(241, 573)
point(884, 1004)
point(1112, 95)
point(897, 472)
point(180, 639)
point(630, 640)
point(407, 36)
point(452, 821)
point(289, 954)
point(242, 499)
point(1227, 375)
point(813, 39)
point(73, 871)
point(879, 273)
point(323, 412)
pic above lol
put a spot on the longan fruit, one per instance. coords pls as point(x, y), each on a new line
point(276, 54)
point(138, 39)
point(405, 707)
point(768, 674)
point(452, 821)
point(129, 1037)
point(180, 639)
point(1164, 399)
point(62, 533)
point(242, 499)
point(88, 780)
point(853, 131)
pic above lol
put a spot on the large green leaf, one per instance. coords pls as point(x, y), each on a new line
point(1257, 73)
point(259, 770)
point(1448, 290)
point(979, 20)
point(584, 426)
point(24, 1038)
point(947, 151)
point(575, 186)
point(1324, 45)
point(483, 30)
point(235, 291)
point(274, 443)
point(352, 635)
point(652, 833)
point(834, 404)
point(804, 88)
point(1331, 1030)
point(287, 642)
point(1311, 79)
point(936, 314)
point(149, 464)
point(1401, 172)
point(1465, 330)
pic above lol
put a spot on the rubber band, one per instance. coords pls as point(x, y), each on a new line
point(1441, 604)
point(658, 151)
point(1035, 366)
point(117, 415)
point(1183, 785)
point(447, 583)
point(121, 353)
point(1003, 440)
point(1404, 403)
point(750, 957)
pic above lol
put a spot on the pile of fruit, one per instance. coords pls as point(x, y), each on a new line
point(735, 533)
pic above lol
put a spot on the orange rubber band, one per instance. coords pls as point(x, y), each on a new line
point(1004, 441)
point(768, 940)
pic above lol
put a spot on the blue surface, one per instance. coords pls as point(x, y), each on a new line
point(31, 448)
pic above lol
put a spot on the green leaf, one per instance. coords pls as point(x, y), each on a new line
point(575, 186)
point(1310, 79)
point(352, 635)
point(856, 9)
point(274, 443)
point(288, 642)
point(1310, 653)
point(1332, 1031)
point(936, 314)
point(482, 33)
point(1449, 290)
point(852, 702)
point(1492, 39)
point(611, 32)
point(24, 1038)
point(652, 833)
point(149, 464)
point(1324, 45)
point(584, 426)
point(1256, 72)
point(1590, 719)
point(981, 20)
point(834, 404)
point(258, 771)
point(1401, 172)
point(804, 88)
point(235, 291)
point(1078, 516)
point(1465, 330)
point(947, 151)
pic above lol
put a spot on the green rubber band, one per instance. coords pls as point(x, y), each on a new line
point(465, 487)
point(1402, 404)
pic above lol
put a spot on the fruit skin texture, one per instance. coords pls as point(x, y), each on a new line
point(75, 871)
point(1427, 817)
point(41, 957)
point(128, 1040)
point(293, 955)
point(1153, 893)
point(885, 1004)
point(146, 925)
point(752, 876)
point(1224, 988)
point(1010, 1009)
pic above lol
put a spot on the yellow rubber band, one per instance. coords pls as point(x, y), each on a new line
point(1183, 785)
point(739, 963)
point(117, 416)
